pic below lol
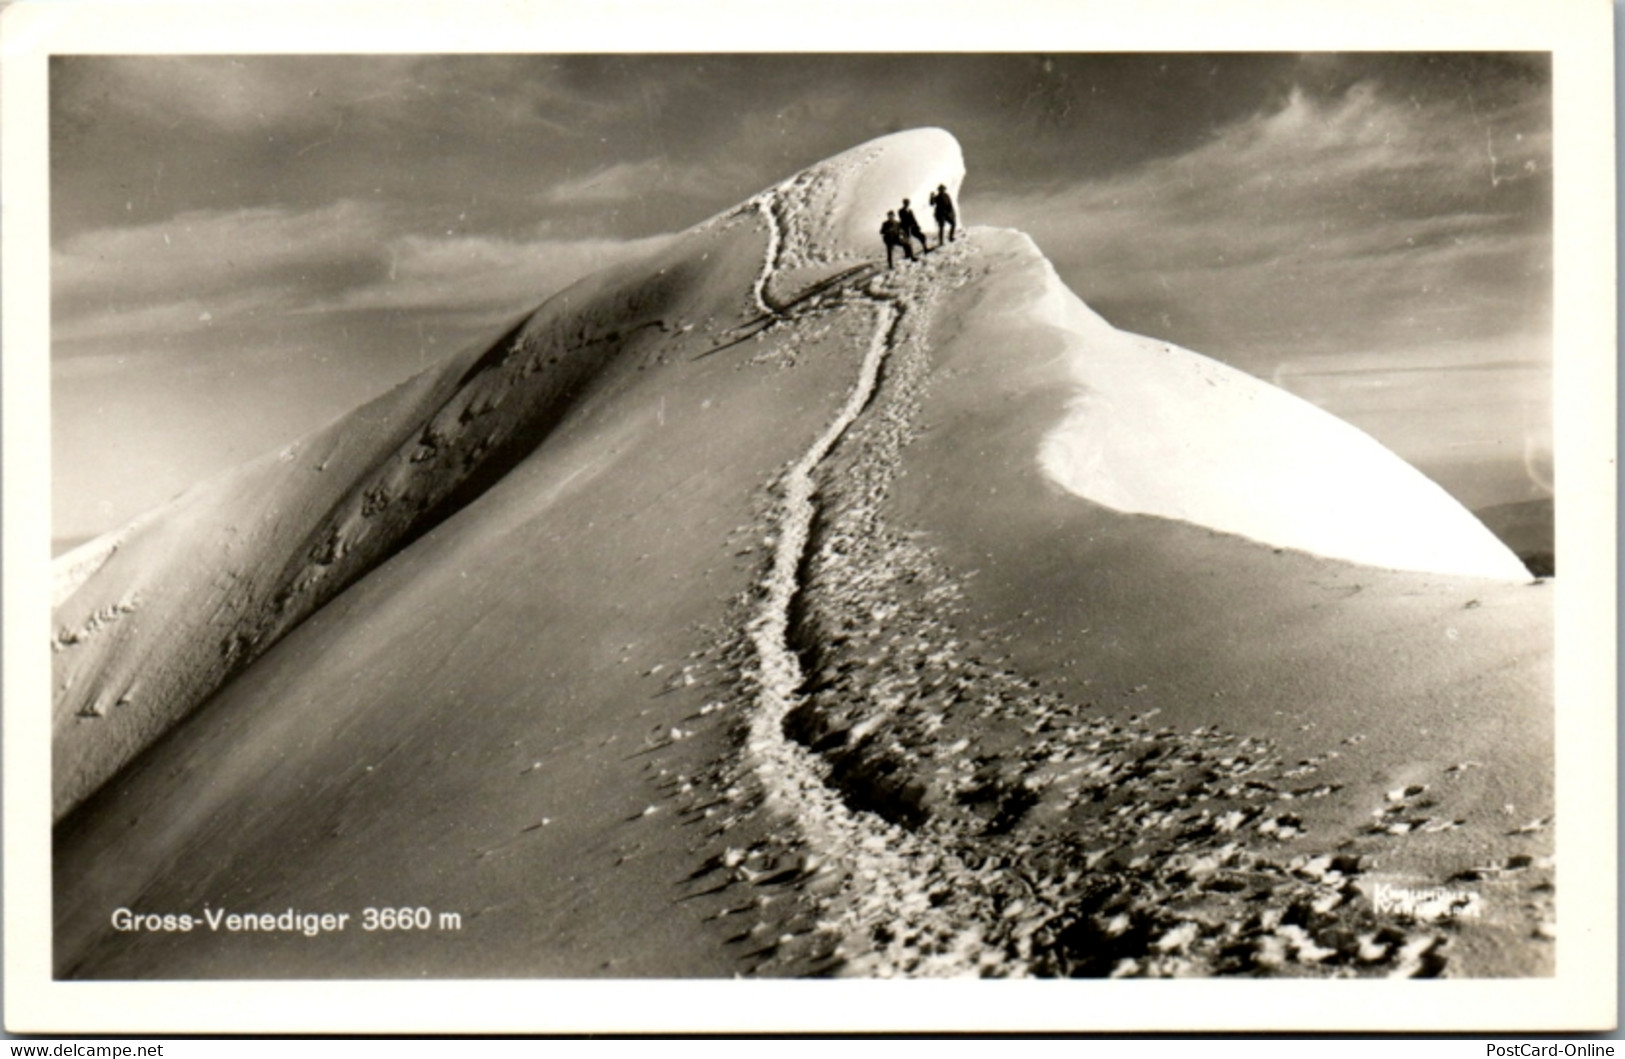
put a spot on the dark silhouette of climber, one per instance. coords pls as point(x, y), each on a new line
point(892, 232)
point(911, 227)
point(942, 207)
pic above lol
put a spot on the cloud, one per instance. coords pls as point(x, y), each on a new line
point(1319, 226)
point(630, 181)
point(263, 253)
point(482, 277)
point(245, 275)
point(165, 321)
point(231, 95)
point(382, 99)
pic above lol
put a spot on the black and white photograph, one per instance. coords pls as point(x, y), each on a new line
point(587, 514)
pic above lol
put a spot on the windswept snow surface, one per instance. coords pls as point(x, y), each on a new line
point(1159, 430)
point(720, 618)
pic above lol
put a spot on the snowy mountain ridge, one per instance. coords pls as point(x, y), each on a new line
point(153, 618)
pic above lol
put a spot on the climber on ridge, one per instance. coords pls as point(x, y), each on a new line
point(911, 228)
point(943, 209)
point(891, 231)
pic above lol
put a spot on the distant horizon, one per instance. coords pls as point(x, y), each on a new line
point(244, 248)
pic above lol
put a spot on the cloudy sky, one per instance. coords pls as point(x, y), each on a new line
point(244, 248)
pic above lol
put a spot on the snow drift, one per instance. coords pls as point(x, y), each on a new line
point(1158, 430)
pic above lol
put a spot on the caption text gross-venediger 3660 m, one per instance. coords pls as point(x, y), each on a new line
point(310, 924)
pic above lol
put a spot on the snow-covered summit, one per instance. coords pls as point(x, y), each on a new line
point(753, 536)
point(837, 205)
point(1158, 430)
point(153, 619)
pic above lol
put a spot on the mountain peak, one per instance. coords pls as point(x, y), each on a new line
point(762, 531)
point(834, 208)
point(155, 617)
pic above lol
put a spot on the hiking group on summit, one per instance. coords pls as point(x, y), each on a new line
point(901, 227)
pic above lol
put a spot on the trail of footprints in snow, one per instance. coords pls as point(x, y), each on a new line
point(952, 819)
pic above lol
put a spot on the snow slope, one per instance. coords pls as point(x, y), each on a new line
point(155, 616)
point(733, 573)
